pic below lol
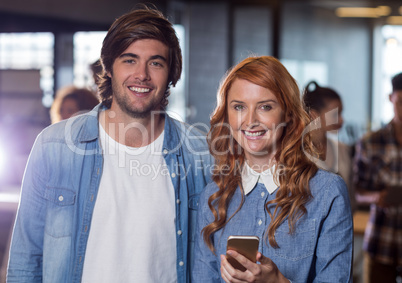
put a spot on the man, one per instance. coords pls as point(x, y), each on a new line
point(378, 180)
point(111, 196)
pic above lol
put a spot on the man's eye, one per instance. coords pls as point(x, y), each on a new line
point(156, 64)
point(129, 61)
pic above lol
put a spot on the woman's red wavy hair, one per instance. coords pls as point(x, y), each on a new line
point(295, 168)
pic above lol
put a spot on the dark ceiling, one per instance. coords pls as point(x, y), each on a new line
point(61, 15)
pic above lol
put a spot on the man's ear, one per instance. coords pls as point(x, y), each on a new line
point(109, 74)
point(391, 97)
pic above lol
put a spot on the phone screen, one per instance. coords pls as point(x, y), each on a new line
point(245, 245)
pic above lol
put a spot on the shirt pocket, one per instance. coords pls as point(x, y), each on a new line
point(60, 211)
point(298, 245)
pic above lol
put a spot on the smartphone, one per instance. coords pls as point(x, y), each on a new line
point(245, 245)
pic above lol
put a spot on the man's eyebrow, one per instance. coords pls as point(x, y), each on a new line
point(132, 55)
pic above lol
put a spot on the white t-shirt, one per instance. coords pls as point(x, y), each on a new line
point(132, 236)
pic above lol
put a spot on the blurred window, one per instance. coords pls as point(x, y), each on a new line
point(87, 47)
point(391, 65)
point(177, 99)
point(30, 51)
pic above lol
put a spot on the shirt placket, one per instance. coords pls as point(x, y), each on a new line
point(261, 219)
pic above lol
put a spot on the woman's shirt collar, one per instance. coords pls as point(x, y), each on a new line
point(250, 178)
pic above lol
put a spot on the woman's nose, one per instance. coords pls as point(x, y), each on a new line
point(251, 119)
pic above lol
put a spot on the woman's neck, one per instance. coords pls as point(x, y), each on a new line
point(320, 143)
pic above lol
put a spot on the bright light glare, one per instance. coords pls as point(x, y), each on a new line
point(3, 159)
point(391, 42)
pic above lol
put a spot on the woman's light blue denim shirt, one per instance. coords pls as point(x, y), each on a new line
point(59, 192)
point(320, 250)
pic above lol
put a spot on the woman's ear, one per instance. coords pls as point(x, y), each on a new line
point(288, 119)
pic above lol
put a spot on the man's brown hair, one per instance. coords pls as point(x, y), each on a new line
point(144, 23)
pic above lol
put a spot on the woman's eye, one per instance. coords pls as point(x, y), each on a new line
point(238, 107)
point(266, 107)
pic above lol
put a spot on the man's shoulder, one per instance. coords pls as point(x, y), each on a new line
point(71, 128)
point(199, 130)
point(379, 136)
point(189, 136)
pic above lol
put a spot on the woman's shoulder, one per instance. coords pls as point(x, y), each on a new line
point(325, 181)
point(209, 189)
point(203, 206)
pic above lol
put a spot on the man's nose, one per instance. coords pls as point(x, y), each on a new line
point(141, 72)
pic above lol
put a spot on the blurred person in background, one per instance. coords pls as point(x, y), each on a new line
point(378, 182)
point(324, 105)
point(71, 100)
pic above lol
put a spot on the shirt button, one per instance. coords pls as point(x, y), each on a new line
point(262, 194)
point(181, 263)
point(179, 232)
point(173, 175)
point(165, 151)
point(61, 198)
point(259, 222)
point(178, 201)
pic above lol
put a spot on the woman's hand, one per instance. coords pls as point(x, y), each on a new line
point(265, 272)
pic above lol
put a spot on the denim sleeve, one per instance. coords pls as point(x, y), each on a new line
point(25, 262)
point(205, 265)
point(335, 240)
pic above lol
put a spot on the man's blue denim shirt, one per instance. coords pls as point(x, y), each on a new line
point(59, 191)
point(320, 250)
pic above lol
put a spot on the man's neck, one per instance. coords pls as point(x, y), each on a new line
point(133, 132)
point(319, 138)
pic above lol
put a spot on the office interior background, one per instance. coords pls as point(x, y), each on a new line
point(47, 44)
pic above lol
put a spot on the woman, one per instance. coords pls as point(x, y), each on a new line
point(266, 186)
point(71, 101)
point(324, 105)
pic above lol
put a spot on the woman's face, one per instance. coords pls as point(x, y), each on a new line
point(256, 120)
point(331, 115)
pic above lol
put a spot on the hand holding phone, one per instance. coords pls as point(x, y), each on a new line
point(245, 245)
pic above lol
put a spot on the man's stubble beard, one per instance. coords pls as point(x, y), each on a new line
point(128, 108)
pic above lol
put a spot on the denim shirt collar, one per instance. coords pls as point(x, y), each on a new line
point(90, 132)
point(90, 129)
point(171, 142)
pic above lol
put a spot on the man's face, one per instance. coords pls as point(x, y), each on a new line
point(140, 78)
point(396, 99)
